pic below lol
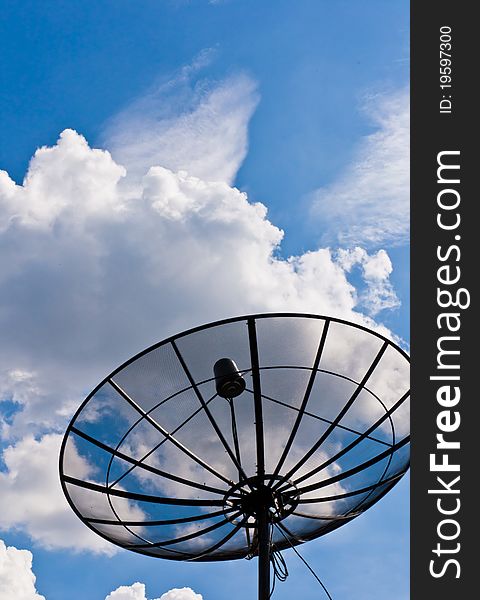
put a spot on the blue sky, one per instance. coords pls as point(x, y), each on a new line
point(304, 107)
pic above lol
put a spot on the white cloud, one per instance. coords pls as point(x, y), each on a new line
point(136, 591)
point(200, 127)
point(181, 594)
point(92, 278)
point(69, 170)
point(369, 202)
point(376, 269)
point(96, 269)
point(17, 581)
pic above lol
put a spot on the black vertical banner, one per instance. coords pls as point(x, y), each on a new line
point(445, 336)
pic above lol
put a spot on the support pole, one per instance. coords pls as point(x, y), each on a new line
point(263, 533)
point(263, 517)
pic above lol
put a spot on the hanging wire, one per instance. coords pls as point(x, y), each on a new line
point(305, 563)
point(279, 566)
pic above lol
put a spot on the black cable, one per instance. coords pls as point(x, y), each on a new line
point(305, 563)
point(279, 566)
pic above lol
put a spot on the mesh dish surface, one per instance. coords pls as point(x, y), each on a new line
point(157, 462)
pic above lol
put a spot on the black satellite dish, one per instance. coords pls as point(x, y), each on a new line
point(240, 438)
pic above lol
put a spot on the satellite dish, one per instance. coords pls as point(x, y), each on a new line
point(240, 438)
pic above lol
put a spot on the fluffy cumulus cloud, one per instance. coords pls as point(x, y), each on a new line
point(103, 270)
point(181, 594)
point(17, 580)
point(102, 257)
point(137, 592)
point(369, 202)
point(96, 268)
